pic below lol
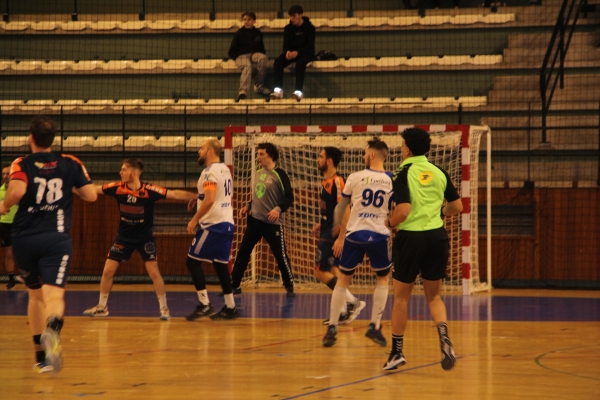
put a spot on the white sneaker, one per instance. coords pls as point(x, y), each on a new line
point(261, 89)
point(357, 307)
point(96, 311)
point(297, 95)
point(165, 315)
point(277, 93)
point(19, 279)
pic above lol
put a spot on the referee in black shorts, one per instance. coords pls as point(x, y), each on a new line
point(421, 244)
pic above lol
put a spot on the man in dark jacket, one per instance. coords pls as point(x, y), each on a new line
point(247, 47)
point(298, 47)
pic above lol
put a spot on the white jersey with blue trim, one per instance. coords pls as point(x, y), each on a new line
point(371, 194)
point(219, 218)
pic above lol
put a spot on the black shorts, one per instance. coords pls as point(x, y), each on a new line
point(324, 258)
point(5, 235)
point(121, 250)
point(44, 258)
point(423, 252)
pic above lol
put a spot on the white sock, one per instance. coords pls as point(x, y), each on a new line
point(337, 303)
point(350, 297)
point(203, 297)
point(162, 300)
point(380, 295)
point(229, 301)
point(103, 300)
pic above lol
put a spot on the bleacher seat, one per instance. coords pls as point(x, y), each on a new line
point(163, 25)
point(78, 143)
point(137, 143)
point(104, 25)
point(373, 21)
point(45, 26)
point(86, 65)
point(108, 143)
point(27, 65)
point(133, 25)
point(16, 25)
point(15, 143)
point(206, 64)
point(56, 65)
point(192, 24)
point(75, 25)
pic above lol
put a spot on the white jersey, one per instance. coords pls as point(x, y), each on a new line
point(370, 193)
point(219, 218)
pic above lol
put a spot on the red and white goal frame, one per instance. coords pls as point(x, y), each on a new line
point(470, 143)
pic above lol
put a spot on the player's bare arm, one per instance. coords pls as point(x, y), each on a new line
point(452, 208)
point(205, 206)
point(338, 245)
point(181, 195)
point(14, 194)
point(399, 214)
point(87, 192)
point(338, 214)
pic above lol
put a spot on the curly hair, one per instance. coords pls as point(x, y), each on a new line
point(417, 140)
point(270, 149)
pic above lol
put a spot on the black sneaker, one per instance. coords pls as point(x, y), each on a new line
point(394, 361)
point(376, 335)
point(449, 358)
point(343, 318)
point(330, 337)
point(241, 96)
point(11, 284)
point(290, 292)
point(235, 291)
point(200, 311)
point(226, 313)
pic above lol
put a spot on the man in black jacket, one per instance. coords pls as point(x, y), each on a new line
point(247, 47)
point(298, 47)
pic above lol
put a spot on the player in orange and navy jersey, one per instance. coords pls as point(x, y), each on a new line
point(136, 206)
point(326, 264)
point(43, 184)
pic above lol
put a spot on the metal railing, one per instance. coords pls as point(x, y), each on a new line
point(551, 74)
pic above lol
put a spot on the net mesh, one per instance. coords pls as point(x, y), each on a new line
point(297, 156)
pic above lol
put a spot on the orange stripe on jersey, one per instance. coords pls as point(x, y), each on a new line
point(16, 172)
point(339, 183)
point(78, 161)
point(209, 186)
point(155, 188)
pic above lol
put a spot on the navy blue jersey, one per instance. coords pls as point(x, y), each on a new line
point(331, 193)
point(50, 179)
point(136, 208)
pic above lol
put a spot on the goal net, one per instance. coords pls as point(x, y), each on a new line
point(454, 148)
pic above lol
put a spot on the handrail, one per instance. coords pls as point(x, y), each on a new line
point(549, 80)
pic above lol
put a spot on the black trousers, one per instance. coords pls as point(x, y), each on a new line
point(281, 62)
point(273, 234)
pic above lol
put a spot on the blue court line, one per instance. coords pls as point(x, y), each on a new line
point(365, 380)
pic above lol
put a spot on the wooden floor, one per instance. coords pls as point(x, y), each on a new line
point(282, 358)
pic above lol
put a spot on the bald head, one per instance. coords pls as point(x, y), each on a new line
point(210, 152)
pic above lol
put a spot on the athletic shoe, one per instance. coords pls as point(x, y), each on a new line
point(261, 89)
point(42, 367)
point(96, 311)
point(226, 313)
point(449, 358)
point(241, 96)
point(11, 284)
point(298, 95)
point(343, 318)
point(51, 345)
point(235, 291)
point(277, 94)
point(19, 279)
point(396, 360)
point(165, 315)
point(289, 292)
point(354, 309)
point(376, 335)
point(330, 337)
point(201, 311)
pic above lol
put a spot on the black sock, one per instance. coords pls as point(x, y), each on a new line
point(11, 276)
point(55, 324)
point(222, 271)
point(397, 343)
point(40, 355)
point(332, 282)
point(442, 330)
point(195, 268)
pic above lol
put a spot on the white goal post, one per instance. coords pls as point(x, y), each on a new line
point(454, 148)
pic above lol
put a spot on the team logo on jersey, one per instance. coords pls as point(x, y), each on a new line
point(150, 248)
point(425, 177)
point(262, 177)
point(48, 165)
point(260, 190)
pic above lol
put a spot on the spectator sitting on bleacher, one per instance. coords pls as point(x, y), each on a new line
point(298, 47)
point(247, 47)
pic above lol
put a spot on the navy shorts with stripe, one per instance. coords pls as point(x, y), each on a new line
point(44, 258)
point(121, 250)
point(423, 252)
point(354, 253)
point(211, 246)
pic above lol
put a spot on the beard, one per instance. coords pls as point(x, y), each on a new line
point(322, 168)
point(201, 161)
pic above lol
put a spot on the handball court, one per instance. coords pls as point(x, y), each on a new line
point(510, 344)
